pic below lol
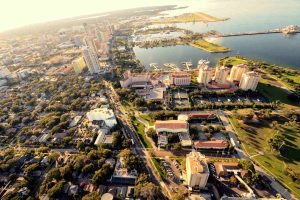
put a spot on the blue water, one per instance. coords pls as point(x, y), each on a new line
point(245, 15)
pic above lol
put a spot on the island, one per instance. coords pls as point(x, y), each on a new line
point(208, 46)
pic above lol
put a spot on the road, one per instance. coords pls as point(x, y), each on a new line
point(138, 146)
point(274, 184)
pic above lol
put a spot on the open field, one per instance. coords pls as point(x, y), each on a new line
point(148, 119)
point(275, 93)
point(254, 138)
point(232, 61)
point(210, 47)
point(190, 17)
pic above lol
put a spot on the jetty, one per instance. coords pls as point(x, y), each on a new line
point(187, 64)
point(291, 29)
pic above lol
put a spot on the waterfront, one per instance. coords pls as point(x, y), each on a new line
point(273, 48)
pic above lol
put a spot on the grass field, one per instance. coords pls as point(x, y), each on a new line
point(234, 61)
point(148, 119)
point(210, 47)
point(140, 129)
point(255, 142)
point(275, 93)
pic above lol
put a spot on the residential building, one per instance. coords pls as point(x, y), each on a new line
point(249, 81)
point(102, 114)
point(90, 60)
point(221, 74)
point(122, 176)
point(237, 71)
point(89, 41)
point(205, 73)
point(78, 65)
point(180, 78)
point(225, 169)
point(197, 171)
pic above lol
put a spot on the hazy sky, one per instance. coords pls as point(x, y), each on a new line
point(15, 13)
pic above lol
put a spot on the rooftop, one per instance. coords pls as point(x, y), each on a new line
point(197, 163)
point(213, 144)
point(171, 124)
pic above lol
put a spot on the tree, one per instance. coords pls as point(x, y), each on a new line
point(89, 168)
point(131, 160)
point(116, 140)
point(181, 194)
point(247, 165)
point(66, 171)
point(150, 191)
point(233, 180)
point(56, 190)
point(53, 174)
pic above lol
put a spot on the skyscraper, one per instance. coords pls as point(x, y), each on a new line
point(204, 76)
point(90, 60)
point(99, 34)
point(78, 65)
point(249, 81)
point(221, 74)
point(237, 71)
point(89, 41)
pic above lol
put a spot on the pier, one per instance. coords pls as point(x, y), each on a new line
point(292, 29)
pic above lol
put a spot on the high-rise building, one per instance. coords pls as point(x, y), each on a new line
point(249, 81)
point(77, 40)
point(197, 171)
point(78, 65)
point(205, 71)
point(221, 74)
point(4, 72)
point(237, 71)
point(99, 34)
point(90, 60)
point(89, 41)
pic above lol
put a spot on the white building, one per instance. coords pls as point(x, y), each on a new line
point(103, 137)
point(90, 60)
point(221, 74)
point(197, 171)
point(180, 78)
point(249, 81)
point(4, 72)
point(135, 80)
point(102, 114)
point(204, 76)
point(237, 71)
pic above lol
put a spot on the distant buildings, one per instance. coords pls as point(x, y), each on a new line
point(180, 78)
point(78, 65)
point(249, 81)
point(221, 74)
point(90, 60)
point(205, 73)
point(196, 171)
point(4, 72)
point(237, 71)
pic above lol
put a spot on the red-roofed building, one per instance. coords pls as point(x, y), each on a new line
point(202, 116)
point(213, 144)
point(171, 126)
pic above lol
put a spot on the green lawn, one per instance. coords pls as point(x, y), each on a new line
point(140, 129)
point(210, 47)
point(255, 141)
point(234, 61)
point(275, 93)
point(148, 119)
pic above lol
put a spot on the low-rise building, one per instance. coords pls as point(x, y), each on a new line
point(212, 144)
point(225, 169)
point(197, 171)
point(122, 176)
point(180, 78)
point(102, 114)
point(103, 137)
point(171, 126)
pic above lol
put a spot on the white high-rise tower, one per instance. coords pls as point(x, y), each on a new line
point(90, 60)
point(249, 81)
point(221, 74)
point(237, 71)
point(204, 76)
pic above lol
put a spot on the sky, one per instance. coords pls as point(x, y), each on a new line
point(17, 13)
